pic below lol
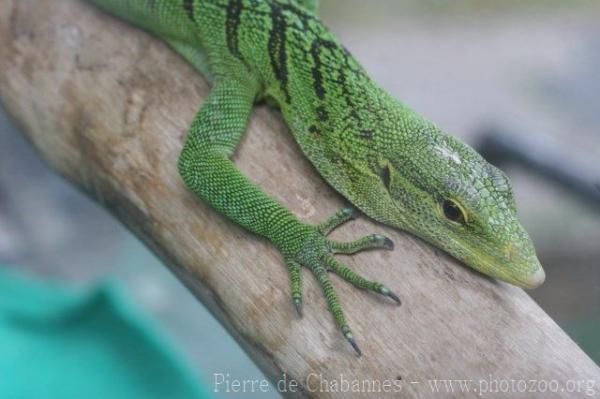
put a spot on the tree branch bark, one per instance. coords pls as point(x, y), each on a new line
point(107, 106)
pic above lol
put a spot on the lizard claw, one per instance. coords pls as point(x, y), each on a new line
point(298, 306)
point(387, 292)
point(350, 338)
point(386, 243)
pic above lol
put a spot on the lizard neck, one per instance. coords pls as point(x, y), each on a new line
point(352, 115)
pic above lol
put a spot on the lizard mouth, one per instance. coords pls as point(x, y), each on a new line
point(523, 271)
point(526, 272)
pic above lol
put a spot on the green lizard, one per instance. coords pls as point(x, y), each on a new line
point(389, 162)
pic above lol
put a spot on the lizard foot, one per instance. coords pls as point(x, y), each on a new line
point(316, 254)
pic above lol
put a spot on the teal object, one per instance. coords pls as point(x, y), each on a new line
point(60, 343)
point(585, 333)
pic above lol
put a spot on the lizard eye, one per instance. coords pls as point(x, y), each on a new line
point(453, 212)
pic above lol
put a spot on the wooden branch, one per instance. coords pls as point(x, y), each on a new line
point(107, 106)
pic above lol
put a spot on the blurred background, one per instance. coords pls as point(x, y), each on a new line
point(528, 67)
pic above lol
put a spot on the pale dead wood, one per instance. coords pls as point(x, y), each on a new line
point(107, 106)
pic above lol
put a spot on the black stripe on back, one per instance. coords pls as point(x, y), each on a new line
point(234, 11)
point(188, 6)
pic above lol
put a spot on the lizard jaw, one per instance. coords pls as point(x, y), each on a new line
point(535, 280)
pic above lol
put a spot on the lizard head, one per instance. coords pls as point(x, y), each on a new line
point(443, 191)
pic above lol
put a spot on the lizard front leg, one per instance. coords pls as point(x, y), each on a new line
point(206, 169)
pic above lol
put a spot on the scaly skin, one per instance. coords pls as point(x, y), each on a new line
point(389, 162)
